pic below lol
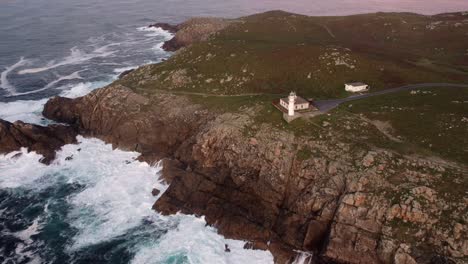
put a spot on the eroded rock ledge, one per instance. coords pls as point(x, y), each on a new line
point(43, 140)
point(192, 30)
point(342, 201)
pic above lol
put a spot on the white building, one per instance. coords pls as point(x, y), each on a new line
point(356, 87)
point(293, 103)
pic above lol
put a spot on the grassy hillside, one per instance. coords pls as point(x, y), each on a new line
point(257, 58)
point(434, 120)
point(276, 52)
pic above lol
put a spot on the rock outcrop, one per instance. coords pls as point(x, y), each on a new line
point(43, 140)
point(165, 26)
point(193, 30)
point(343, 201)
point(130, 121)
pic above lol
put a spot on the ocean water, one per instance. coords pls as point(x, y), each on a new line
point(96, 207)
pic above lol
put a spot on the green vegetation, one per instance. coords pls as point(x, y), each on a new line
point(260, 58)
point(434, 120)
point(276, 52)
point(404, 231)
point(304, 154)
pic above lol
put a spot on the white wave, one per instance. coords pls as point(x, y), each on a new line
point(26, 234)
point(21, 169)
point(23, 251)
point(76, 57)
point(120, 70)
point(194, 241)
point(118, 194)
point(4, 83)
point(159, 47)
point(81, 89)
point(117, 201)
point(105, 49)
point(156, 32)
point(29, 111)
point(24, 255)
point(72, 76)
point(303, 257)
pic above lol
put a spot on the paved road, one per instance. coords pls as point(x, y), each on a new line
point(327, 105)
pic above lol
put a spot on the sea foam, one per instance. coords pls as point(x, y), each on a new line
point(4, 82)
point(116, 202)
point(30, 111)
point(156, 32)
point(76, 56)
point(194, 242)
point(113, 200)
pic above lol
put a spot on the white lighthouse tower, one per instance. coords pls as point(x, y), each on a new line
point(291, 103)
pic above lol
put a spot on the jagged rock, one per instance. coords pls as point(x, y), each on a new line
point(402, 256)
point(368, 159)
point(166, 26)
point(43, 140)
point(195, 30)
point(124, 73)
point(255, 188)
point(155, 192)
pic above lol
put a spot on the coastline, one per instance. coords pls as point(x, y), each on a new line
point(258, 188)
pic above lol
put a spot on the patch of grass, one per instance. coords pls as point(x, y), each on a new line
point(304, 153)
point(228, 103)
point(430, 121)
point(276, 52)
point(451, 186)
point(272, 53)
point(404, 231)
point(398, 196)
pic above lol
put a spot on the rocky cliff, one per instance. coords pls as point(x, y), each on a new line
point(192, 31)
point(341, 186)
point(341, 200)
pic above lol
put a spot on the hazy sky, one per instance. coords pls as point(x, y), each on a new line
point(339, 7)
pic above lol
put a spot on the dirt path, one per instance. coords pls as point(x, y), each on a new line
point(327, 105)
point(329, 31)
point(215, 95)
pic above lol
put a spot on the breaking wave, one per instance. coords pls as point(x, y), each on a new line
point(156, 31)
point(96, 60)
point(93, 203)
point(30, 111)
point(101, 200)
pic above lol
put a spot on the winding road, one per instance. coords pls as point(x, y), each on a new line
point(327, 105)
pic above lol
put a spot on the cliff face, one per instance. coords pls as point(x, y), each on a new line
point(320, 186)
point(128, 120)
point(340, 199)
point(191, 31)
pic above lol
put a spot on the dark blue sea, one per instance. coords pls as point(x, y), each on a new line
point(96, 207)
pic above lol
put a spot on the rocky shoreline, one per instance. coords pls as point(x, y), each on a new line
point(43, 140)
point(259, 189)
point(342, 201)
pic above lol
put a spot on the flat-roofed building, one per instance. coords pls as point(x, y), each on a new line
point(356, 87)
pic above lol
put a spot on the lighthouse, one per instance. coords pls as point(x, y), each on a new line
point(291, 103)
